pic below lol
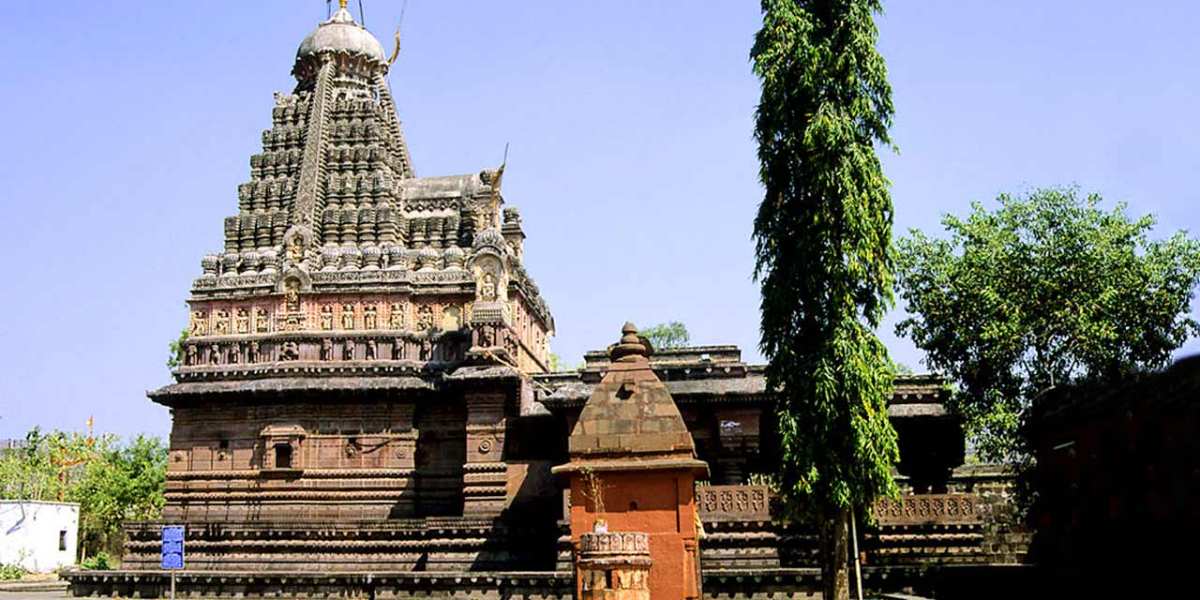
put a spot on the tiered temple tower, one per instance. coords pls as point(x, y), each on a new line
point(356, 348)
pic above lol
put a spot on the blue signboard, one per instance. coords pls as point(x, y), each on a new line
point(172, 547)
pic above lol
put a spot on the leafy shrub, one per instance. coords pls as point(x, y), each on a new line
point(11, 572)
point(97, 562)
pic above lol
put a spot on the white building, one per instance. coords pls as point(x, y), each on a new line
point(38, 536)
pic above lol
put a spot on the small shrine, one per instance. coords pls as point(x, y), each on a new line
point(632, 472)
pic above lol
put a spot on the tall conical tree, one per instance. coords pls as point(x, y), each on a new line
point(823, 243)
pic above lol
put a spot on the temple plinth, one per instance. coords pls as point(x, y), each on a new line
point(633, 469)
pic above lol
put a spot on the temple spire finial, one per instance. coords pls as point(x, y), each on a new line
point(343, 3)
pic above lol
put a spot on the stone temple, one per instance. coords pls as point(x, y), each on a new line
point(365, 404)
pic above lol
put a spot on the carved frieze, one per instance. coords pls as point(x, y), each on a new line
point(734, 502)
point(938, 509)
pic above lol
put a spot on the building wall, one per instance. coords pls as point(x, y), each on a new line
point(38, 536)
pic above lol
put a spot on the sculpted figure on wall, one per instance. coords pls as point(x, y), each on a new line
point(295, 249)
point(326, 318)
point(372, 348)
point(487, 287)
point(291, 294)
point(370, 320)
point(199, 324)
point(243, 321)
point(396, 316)
point(261, 323)
point(451, 318)
point(425, 318)
point(221, 324)
point(326, 349)
point(347, 316)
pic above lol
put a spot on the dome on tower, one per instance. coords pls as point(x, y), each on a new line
point(342, 34)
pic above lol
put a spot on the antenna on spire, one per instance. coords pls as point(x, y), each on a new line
point(362, 16)
point(328, 9)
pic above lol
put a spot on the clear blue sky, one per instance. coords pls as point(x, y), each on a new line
point(129, 125)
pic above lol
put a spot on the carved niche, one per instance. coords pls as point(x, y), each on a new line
point(282, 447)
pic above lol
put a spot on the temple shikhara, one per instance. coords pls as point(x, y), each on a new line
point(365, 405)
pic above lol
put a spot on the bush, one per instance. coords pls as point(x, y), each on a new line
point(97, 562)
point(11, 572)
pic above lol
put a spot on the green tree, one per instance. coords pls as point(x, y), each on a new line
point(176, 348)
point(126, 483)
point(1045, 290)
point(824, 261)
point(666, 335)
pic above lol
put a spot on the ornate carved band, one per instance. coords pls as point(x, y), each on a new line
point(936, 509)
point(603, 545)
point(734, 503)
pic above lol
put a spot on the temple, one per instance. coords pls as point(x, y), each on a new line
point(365, 399)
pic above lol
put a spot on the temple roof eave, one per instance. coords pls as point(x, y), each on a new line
point(168, 394)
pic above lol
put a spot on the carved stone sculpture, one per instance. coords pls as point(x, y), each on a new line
point(221, 323)
point(425, 318)
point(396, 316)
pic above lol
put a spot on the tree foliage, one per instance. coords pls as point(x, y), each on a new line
point(176, 349)
point(112, 482)
point(672, 334)
point(824, 260)
point(1046, 289)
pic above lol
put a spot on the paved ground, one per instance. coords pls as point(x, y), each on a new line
point(31, 595)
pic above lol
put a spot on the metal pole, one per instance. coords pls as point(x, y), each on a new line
point(173, 585)
point(854, 542)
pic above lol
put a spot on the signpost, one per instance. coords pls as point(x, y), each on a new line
point(172, 551)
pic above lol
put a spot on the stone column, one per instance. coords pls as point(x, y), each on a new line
point(613, 566)
point(485, 474)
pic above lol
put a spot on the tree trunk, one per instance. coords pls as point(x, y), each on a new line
point(835, 568)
